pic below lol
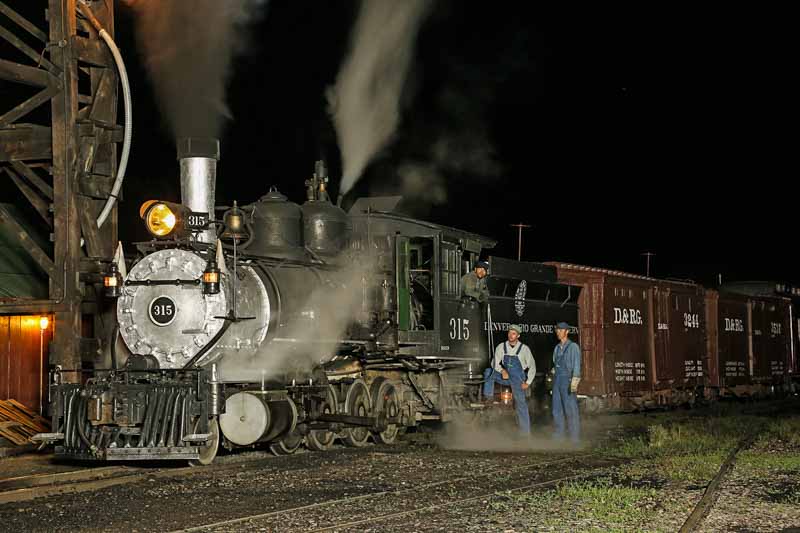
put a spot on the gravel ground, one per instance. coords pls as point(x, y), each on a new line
point(35, 463)
point(762, 493)
point(419, 486)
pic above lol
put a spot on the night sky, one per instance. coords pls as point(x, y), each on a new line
point(611, 130)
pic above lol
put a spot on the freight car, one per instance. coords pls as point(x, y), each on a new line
point(653, 343)
point(288, 325)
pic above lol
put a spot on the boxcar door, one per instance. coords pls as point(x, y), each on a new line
point(627, 338)
point(733, 343)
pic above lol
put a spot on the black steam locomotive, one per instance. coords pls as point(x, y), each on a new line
point(294, 325)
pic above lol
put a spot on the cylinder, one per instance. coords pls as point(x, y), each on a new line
point(213, 393)
point(251, 417)
point(198, 165)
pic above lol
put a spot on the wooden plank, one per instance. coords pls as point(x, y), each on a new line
point(25, 74)
point(28, 105)
point(33, 420)
point(36, 201)
point(29, 244)
point(96, 186)
point(23, 22)
point(22, 142)
point(34, 178)
point(91, 235)
point(26, 307)
point(5, 356)
point(104, 98)
point(20, 45)
point(92, 51)
point(68, 323)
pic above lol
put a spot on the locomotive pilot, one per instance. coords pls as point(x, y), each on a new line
point(567, 370)
point(512, 359)
point(473, 284)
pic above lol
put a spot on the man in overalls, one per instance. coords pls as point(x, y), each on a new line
point(567, 369)
point(511, 359)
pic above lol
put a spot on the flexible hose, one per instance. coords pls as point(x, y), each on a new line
point(126, 96)
point(82, 408)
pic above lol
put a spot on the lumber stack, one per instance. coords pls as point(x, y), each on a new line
point(18, 423)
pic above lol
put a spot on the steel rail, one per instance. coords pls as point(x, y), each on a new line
point(318, 505)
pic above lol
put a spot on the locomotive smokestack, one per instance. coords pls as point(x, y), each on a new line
point(198, 159)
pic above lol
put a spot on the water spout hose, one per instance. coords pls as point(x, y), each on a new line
point(128, 105)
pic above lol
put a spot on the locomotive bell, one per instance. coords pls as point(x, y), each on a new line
point(234, 223)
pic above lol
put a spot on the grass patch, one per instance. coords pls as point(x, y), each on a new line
point(766, 462)
point(600, 501)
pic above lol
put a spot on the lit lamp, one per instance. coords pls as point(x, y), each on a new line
point(112, 281)
point(506, 396)
point(211, 278)
point(44, 322)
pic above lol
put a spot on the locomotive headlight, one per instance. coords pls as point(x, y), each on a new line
point(160, 218)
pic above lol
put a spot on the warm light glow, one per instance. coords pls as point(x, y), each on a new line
point(110, 281)
point(211, 277)
point(44, 322)
point(506, 396)
point(160, 220)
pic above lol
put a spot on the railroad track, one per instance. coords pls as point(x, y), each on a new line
point(24, 488)
point(227, 524)
point(705, 504)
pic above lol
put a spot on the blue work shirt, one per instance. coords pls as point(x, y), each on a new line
point(567, 359)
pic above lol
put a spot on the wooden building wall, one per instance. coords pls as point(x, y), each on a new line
point(23, 359)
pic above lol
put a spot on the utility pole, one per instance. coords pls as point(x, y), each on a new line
point(519, 227)
point(648, 255)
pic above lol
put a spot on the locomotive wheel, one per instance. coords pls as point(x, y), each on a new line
point(209, 451)
point(287, 445)
point(387, 401)
point(320, 439)
point(357, 403)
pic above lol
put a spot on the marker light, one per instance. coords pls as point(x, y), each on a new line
point(211, 278)
point(112, 281)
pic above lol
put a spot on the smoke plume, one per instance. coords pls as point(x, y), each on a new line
point(453, 156)
point(188, 47)
point(365, 101)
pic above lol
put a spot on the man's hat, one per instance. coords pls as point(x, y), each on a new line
point(516, 328)
point(563, 325)
point(482, 264)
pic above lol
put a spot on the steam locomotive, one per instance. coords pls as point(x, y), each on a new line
point(289, 325)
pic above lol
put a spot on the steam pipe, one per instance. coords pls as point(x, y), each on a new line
point(126, 96)
point(211, 343)
point(113, 346)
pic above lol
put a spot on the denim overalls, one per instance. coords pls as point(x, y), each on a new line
point(564, 402)
point(516, 377)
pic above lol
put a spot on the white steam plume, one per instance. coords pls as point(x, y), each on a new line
point(365, 101)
